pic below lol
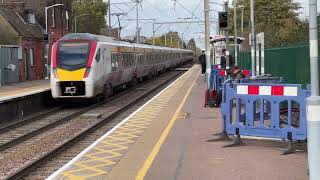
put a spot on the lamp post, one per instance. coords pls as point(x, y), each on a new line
point(207, 40)
point(46, 14)
point(235, 32)
point(242, 14)
point(252, 39)
point(46, 32)
point(75, 21)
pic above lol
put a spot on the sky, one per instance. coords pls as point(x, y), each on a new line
point(171, 11)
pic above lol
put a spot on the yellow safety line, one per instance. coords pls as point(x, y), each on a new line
point(148, 162)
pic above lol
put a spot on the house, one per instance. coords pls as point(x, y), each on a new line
point(23, 24)
point(22, 30)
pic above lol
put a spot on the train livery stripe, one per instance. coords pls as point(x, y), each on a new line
point(267, 90)
point(93, 47)
point(54, 55)
point(65, 75)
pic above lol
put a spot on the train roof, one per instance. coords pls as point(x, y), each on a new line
point(110, 40)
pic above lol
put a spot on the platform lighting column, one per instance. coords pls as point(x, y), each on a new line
point(46, 32)
point(235, 32)
point(153, 35)
point(207, 39)
point(227, 35)
point(137, 33)
point(313, 102)
point(242, 14)
point(165, 39)
point(253, 39)
point(76, 21)
point(109, 18)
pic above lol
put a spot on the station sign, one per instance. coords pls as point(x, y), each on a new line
point(223, 20)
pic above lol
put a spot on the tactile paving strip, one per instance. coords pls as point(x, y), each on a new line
point(103, 157)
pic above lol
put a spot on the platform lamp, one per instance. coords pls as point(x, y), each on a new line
point(47, 37)
point(75, 21)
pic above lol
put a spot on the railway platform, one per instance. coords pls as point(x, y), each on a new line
point(171, 137)
point(22, 89)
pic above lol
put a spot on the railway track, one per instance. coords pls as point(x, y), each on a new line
point(57, 144)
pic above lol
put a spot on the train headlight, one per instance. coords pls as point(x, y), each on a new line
point(86, 74)
point(54, 71)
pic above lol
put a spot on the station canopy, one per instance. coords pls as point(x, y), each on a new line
point(221, 38)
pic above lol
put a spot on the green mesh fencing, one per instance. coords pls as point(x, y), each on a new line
point(291, 63)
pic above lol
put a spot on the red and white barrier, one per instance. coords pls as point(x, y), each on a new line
point(267, 90)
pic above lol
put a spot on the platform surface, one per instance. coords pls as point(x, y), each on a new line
point(21, 89)
point(170, 138)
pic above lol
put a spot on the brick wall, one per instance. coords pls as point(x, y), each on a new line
point(35, 71)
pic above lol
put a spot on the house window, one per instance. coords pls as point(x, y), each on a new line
point(31, 18)
point(31, 57)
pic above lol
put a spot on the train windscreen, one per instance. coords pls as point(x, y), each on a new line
point(73, 55)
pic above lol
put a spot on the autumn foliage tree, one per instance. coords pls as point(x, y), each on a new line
point(171, 38)
point(91, 15)
point(279, 19)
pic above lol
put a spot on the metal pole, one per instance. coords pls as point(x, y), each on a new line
point(242, 11)
point(227, 37)
point(47, 45)
point(153, 34)
point(313, 102)
point(207, 39)
point(165, 39)
point(75, 24)
point(109, 13)
point(182, 41)
point(253, 39)
point(137, 1)
point(171, 41)
point(46, 18)
point(235, 33)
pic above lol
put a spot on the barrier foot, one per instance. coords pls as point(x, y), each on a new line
point(237, 142)
point(223, 136)
point(291, 149)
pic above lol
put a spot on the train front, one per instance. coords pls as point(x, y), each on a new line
point(71, 63)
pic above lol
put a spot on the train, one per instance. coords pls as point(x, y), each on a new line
point(85, 65)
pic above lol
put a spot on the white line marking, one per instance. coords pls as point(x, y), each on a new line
point(23, 94)
point(55, 174)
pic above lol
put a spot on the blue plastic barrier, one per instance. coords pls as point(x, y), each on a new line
point(267, 79)
point(265, 110)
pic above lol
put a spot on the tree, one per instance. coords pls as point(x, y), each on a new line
point(93, 19)
point(172, 38)
point(192, 45)
point(277, 18)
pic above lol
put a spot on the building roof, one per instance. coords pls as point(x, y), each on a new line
point(24, 28)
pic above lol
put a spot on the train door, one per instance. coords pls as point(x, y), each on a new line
point(108, 60)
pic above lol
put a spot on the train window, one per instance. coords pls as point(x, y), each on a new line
point(114, 61)
point(98, 55)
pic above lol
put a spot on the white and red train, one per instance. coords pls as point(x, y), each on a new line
point(86, 65)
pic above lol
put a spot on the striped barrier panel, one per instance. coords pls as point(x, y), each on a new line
point(265, 110)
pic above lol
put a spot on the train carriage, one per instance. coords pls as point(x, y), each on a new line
point(85, 65)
